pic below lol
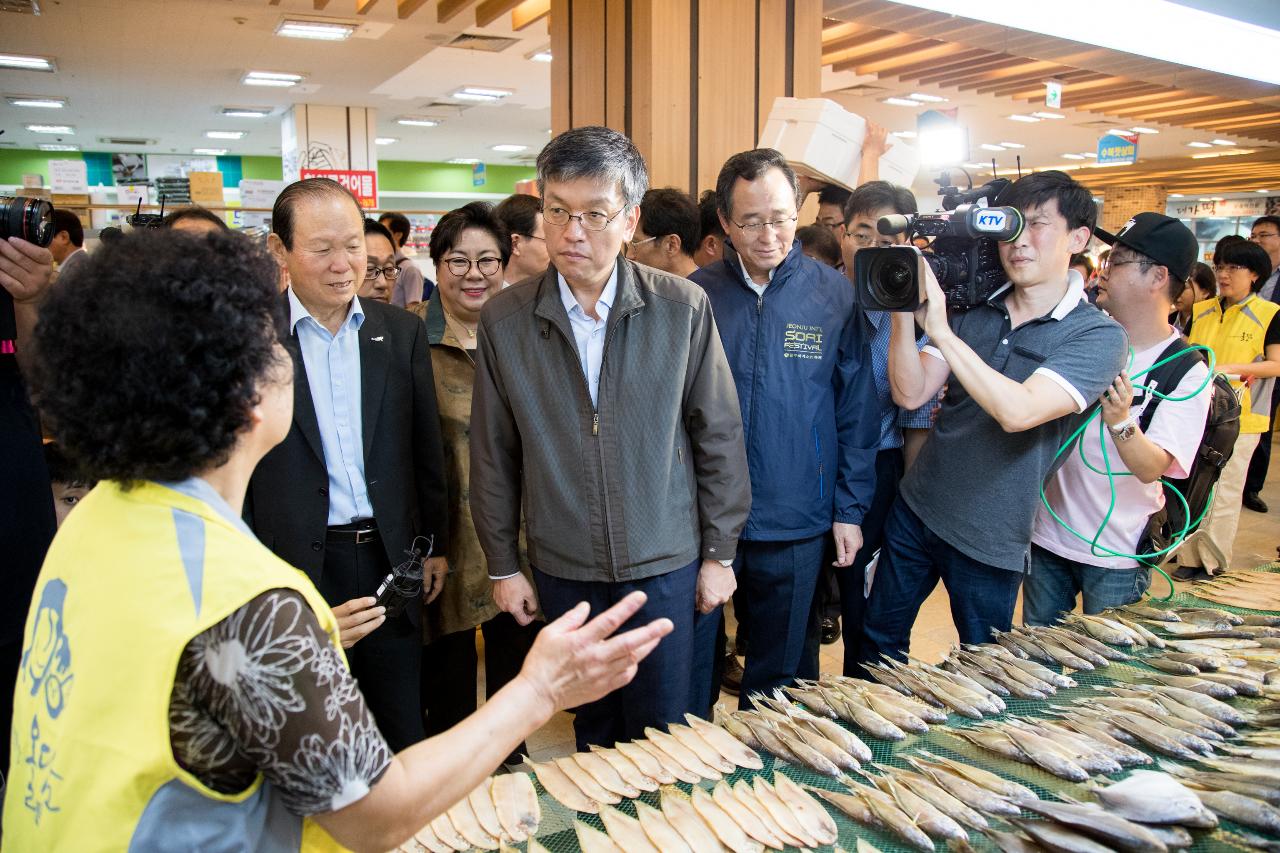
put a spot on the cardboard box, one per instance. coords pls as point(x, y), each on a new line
point(822, 139)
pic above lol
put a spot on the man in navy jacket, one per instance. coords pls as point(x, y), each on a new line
point(798, 347)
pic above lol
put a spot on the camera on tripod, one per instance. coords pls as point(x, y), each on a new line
point(963, 253)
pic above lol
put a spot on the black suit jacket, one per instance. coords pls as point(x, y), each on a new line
point(288, 501)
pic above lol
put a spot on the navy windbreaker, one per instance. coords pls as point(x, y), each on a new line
point(802, 365)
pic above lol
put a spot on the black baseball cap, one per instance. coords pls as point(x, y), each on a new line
point(1161, 238)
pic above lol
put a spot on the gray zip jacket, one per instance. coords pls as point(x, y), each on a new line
point(653, 478)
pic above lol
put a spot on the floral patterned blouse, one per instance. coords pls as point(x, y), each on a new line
point(265, 691)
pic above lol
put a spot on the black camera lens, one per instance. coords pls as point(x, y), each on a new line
point(28, 218)
point(891, 281)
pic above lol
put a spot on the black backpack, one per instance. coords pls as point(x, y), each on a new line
point(1221, 429)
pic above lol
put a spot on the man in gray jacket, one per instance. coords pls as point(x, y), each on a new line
point(605, 409)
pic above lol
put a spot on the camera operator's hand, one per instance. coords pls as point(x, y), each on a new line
point(932, 315)
point(1116, 400)
point(25, 270)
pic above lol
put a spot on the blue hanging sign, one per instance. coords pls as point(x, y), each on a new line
point(477, 175)
point(1118, 149)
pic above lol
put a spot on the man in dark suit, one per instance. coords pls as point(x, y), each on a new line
point(358, 484)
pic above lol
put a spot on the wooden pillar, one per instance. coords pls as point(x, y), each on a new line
point(1120, 204)
point(691, 81)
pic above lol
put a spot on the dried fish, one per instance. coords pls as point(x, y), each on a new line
point(1174, 837)
point(626, 832)
point(812, 699)
point(722, 824)
point(1172, 667)
point(1101, 629)
point(730, 747)
point(1098, 823)
point(626, 768)
point(602, 771)
point(1046, 754)
point(586, 782)
point(660, 831)
point(592, 840)
point(1244, 810)
point(972, 795)
point(736, 727)
point(990, 781)
point(701, 747)
point(1112, 747)
point(1009, 842)
point(1147, 612)
point(464, 820)
point(1206, 704)
point(851, 805)
point(680, 813)
point(1053, 652)
point(486, 812)
point(649, 765)
point(894, 711)
point(812, 816)
point(680, 753)
point(857, 710)
point(752, 825)
point(516, 801)
point(1148, 796)
point(828, 750)
point(1198, 683)
point(933, 821)
point(746, 795)
point(563, 789)
point(444, 830)
point(427, 838)
point(1141, 630)
point(1057, 837)
point(829, 729)
point(781, 813)
point(670, 765)
point(889, 815)
point(992, 740)
point(1087, 647)
point(925, 788)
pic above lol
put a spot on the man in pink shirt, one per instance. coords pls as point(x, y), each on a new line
point(1151, 259)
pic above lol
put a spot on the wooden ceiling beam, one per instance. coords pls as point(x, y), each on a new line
point(990, 88)
point(405, 8)
point(1110, 104)
point(840, 46)
point(956, 60)
point(1227, 108)
point(363, 6)
point(1035, 91)
point(954, 73)
point(890, 53)
point(938, 51)
point(320, 4)
point(871, 47)
point(841, 30)
point(447, 10)
point(491, 10)
point(529, 13)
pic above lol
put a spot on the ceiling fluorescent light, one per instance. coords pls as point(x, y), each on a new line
point(1199, 145)
point(317, 30)
point(1022, 118)
point(463, 161)
point(36, 101)
point(53, 146)
point(1048, 115)
point(1176, 195)
point(210, 152)
point(1262, 191)
point(943, 145)
point(1226, 142)
point(1072, 156)
point(977, 165)
point(27, 63)
point(509, 148)
point(1012, 145)
point(417, 121)
point(928, 99)
point(1092, 155)
point(987, 146)
point(481, 93)
point(1143, 130)
point(900, 102)
point(1233, 153)
point(385, 140)
point(543, 55)
point(271, 78)
point(51, 128)
point(246, 112)
point(224, 134)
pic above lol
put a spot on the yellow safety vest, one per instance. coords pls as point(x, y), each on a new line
point(1236, 337)
point(130, 579)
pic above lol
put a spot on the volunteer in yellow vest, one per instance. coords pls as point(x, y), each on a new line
point(1243, 330)
point(181, 687)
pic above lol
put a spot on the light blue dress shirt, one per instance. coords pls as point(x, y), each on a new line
point(333, 374)
point(588, 333)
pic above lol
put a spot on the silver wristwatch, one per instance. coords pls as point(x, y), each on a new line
point(728, 564)
point(1124, 430)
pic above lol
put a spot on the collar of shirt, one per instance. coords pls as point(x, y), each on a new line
point(746, 276)
point(603, 303)
point(299, 312)
point(200, 489)
point(1073, 296)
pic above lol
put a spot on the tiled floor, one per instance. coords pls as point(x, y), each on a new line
point(1256, 543)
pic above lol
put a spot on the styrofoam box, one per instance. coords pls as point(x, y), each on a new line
point(822, 139)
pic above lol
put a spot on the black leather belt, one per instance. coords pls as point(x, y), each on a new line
point(360, 531)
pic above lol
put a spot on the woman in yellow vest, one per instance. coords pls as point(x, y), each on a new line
point(181, 687)
point(1243, 330)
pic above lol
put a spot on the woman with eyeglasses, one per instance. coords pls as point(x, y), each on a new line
point(1243, 330)
point(470, 249)
point(380, 271)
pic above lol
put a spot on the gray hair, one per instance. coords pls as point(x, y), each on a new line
point(750, 165)
point(598, 153)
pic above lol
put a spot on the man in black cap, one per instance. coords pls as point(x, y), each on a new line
point(1143, 438)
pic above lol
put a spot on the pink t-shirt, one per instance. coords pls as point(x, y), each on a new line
point(1080, 496)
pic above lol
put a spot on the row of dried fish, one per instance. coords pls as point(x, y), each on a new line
point(1253, 590)
point(501, 810)
point(1057, 645)
point(587, 781)
point(744, 818)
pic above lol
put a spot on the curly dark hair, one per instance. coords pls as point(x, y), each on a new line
point(476, 214)
point(149, 367)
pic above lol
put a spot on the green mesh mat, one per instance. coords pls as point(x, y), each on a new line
point(556, 829)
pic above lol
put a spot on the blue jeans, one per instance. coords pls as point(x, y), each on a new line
point(912, 560)
point(777, 581)
point(659, 694)
point(1055, 581)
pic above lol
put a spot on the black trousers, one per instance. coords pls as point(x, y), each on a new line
point(449, 665)
point(386, 663)
point(1256, 477)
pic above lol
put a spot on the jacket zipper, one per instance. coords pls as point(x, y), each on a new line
point(755, 359)
point(595, 431)
point(817, 449)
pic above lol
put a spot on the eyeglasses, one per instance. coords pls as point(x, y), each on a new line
point(866, 241)
point(461, 266)
point(636, 244)
point(1229, 268)
point(754, 228)
point(389, 273)
point(592, 220)
point(1108, 265)
point(1263, 235)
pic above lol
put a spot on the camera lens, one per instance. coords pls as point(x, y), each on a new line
point(28, 218)
point(891, 281)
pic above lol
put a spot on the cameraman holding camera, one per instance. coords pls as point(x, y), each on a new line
point(1015, 367)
